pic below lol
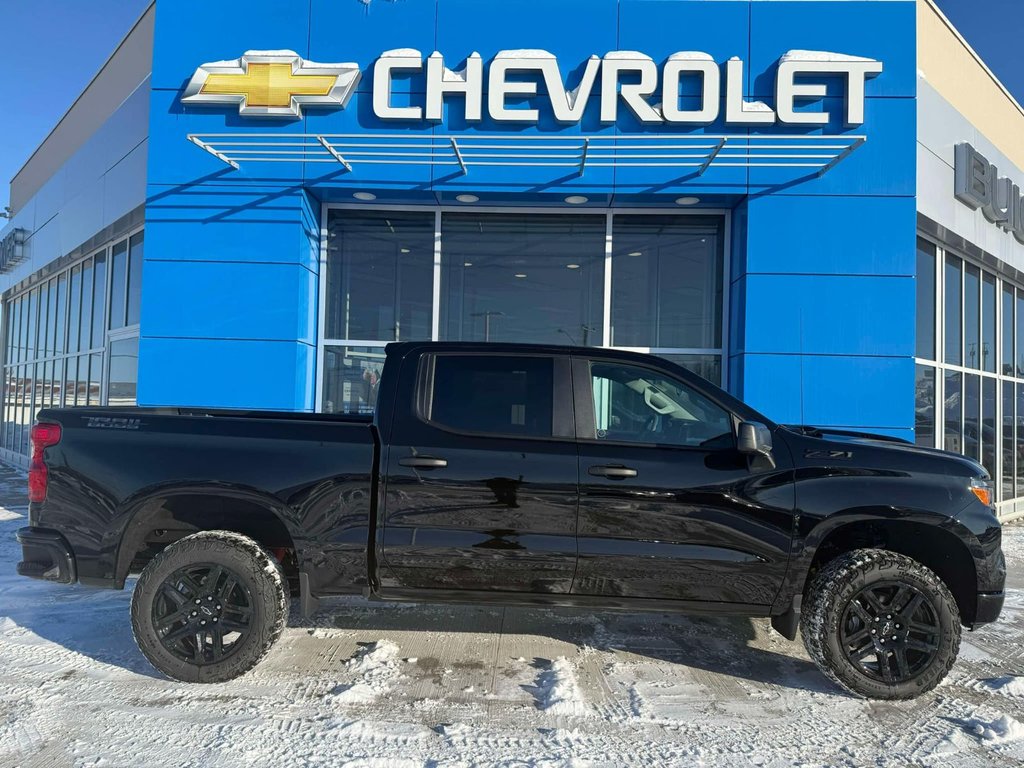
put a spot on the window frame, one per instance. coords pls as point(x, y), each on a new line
point(583, 397)
point(724, 214)
point(562, 418)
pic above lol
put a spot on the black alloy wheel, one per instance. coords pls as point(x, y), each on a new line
point(891, 631)
point(202, 613)
point(209, 607)
point(880, 624)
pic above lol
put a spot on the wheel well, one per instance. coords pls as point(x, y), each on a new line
point(938, 549)
point(167, 520)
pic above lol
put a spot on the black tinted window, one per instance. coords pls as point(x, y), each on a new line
point(497, 395)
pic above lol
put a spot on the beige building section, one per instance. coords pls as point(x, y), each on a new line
point(953, 69)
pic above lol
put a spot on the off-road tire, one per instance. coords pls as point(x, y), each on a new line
point(259, 575)
point(833, 589)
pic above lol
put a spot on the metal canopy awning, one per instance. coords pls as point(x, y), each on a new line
point(818, 154)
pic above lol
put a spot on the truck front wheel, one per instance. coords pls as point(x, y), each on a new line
point(209, 607)
point(881, 624)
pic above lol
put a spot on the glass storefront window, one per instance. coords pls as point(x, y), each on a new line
point(972, 340)
point(988, 425)
point(1009, 422)
point(988, 322)
point(523, 277)
point(953, 439)
point(118, 284)
point(1006, 357)
point(380, 275)
point(666, 282)
point(57, 349)
point(951, 309)
point(134, 279)
point(351, 379)
point(124, 372)
point(925, 300)
point(924, 405)
point(706, 366)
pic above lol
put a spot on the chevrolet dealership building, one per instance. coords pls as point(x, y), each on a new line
point(815, 203)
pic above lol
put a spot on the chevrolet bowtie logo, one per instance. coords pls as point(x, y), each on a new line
point(273, 84)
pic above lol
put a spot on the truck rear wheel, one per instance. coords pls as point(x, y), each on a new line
point(881, 625)
point(209, 607)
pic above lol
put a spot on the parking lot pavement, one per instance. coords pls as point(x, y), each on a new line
point(400, 685)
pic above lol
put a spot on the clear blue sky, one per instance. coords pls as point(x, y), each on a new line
point(52, 49)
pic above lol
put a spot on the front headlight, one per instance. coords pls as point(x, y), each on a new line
point(983, 490)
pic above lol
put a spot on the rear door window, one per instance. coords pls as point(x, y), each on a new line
point(496, 395)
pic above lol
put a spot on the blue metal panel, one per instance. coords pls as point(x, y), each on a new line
point(192, 32)
point(855, 392)
point(225, 300)
point(829, 314)
point(804, 234)
point(871, 29)
point(213, 222)
point(226, 373)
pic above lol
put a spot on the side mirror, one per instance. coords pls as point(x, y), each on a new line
point(755, 439)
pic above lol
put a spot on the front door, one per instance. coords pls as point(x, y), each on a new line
point(668, 507)
point(481, 477)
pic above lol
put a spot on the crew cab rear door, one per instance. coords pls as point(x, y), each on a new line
point(668, 507)
point(481, 475)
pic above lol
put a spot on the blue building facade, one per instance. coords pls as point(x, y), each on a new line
point(728, 183)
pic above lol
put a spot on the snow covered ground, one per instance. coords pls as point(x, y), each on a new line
point(370, 685)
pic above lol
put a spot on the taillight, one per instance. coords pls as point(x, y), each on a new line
point(43, 436)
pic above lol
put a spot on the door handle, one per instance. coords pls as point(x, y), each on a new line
point(613, 473)
point(424, 462)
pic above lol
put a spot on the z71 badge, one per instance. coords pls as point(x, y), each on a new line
point(843, 455)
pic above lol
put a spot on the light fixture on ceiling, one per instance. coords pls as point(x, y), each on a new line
point(687, 200)
point(468, 264)
point(367, 196)
point(636, 253)
point(520, 275)
point(572, 266)
point(467, 198)
point(405, 250)
point(577, 200)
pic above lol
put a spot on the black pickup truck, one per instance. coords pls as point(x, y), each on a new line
point(516, 474)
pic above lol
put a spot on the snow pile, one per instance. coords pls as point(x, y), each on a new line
point(558, 693)
point(1008, 685)
point(378, 667)
point(1003, 728)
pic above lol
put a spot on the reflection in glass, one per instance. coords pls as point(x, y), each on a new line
point(124, 372)
point(953, 288)
point(95, 378)
point(62, 313)
point(972, 405)
point(75, 308)
point(972, 343)
point(99, 301)
point(924, 406)
point(706, 366)
point(988, 322)
point(352, 379)
point(1006, 358)
point(118, 283)
point(988, 425)
point(134, 279)
point(51, 317)
point(70, 382)
point(666, 282)
point(1019, 313)
point(953, 407)
point(1009, 421)
point(380, 275)
point(1019, 422)
point(523, 278)
point(925, 299)
point(85, 328)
